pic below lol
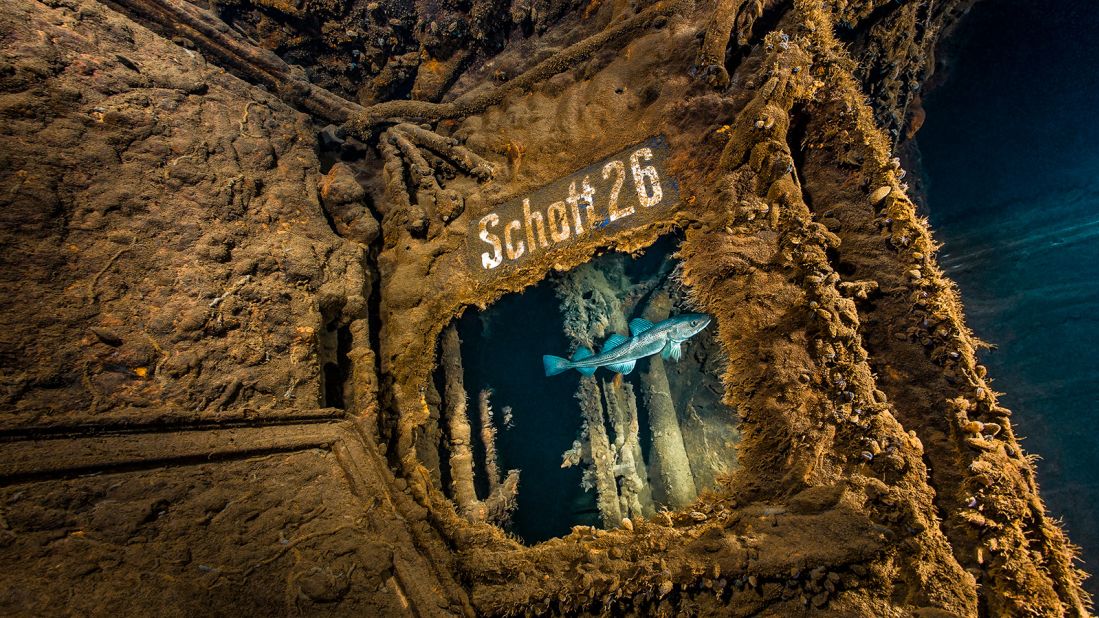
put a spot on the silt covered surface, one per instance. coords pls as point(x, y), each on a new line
point(191, 195)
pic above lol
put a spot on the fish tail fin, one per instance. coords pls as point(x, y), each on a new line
point(554, 364)
point(580, 354)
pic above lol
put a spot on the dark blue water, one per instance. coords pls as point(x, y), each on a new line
point(1011, 153)
point(502, 349)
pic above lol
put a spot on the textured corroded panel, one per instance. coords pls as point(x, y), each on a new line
point(168, 218)
point(274, 534)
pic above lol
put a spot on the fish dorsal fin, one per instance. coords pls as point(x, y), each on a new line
point(613, 342)
point(581, 353)
point(639, 325)
point(622, 367)
point(671, 351)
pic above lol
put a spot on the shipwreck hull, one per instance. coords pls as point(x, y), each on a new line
point(232, 377)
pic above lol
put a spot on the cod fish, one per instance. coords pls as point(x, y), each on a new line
point(620, 354)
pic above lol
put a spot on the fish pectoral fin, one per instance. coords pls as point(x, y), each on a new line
point(672, 351)
point(613, 341)
point(639, 325)
point(623, 368)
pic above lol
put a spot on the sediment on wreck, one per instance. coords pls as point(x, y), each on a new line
point(927, 359)
point(221, 424)
point(842, 397)
point(174, 220)
point(488, 439)
point(457, 421)
point(670, 464)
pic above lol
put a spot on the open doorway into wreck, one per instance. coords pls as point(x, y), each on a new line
point(540, 454)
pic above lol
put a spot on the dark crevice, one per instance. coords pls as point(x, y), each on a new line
point(795, 137)
point(735, 53)
point(331, 384)
point(374, 333)
point(337, 371)
point(846, 269)
point(343, 364)
point(442, 445)
point(855, 34)
point(150, 464)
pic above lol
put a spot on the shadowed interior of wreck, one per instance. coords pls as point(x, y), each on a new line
point(537, 418)
point(584, 446)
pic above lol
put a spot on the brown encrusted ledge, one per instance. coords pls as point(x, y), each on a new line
point(250, 61)
point(476, 102)
point(987, 495)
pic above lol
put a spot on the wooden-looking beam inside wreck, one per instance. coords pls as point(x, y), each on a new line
point(635, 493)
point(671, 468)
point(457, 420)
point(601, 455)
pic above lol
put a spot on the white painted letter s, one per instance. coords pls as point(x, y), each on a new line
point(490, 261)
